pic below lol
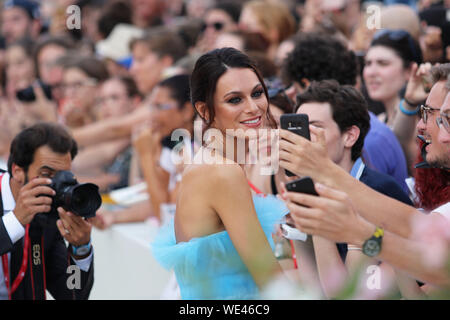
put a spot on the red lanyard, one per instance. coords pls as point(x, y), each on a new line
point(23, 267)
point(294, 257)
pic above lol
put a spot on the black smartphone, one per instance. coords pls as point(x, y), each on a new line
point(27, 94)
point(302, 185)
point(298, 124)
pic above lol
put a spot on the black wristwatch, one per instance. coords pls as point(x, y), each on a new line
point(372, 246)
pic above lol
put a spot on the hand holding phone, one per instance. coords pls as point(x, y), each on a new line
point(303, 185)
point(298, 124)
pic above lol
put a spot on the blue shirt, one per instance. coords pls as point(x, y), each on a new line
point(383, 152)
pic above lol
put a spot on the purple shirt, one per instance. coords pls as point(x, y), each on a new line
point(383, 152)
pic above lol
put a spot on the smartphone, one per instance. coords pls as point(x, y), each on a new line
point(302, 185)
point(298, 124)
point(27, 94)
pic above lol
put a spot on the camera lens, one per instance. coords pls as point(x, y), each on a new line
point(85, 200)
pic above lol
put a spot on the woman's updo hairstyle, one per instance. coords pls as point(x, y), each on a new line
point(207, 71)
point(402, 43)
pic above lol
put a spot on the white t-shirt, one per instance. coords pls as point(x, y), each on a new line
point(3, 164)
point(444, 210)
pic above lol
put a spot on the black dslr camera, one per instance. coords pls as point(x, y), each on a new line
point(81, 199)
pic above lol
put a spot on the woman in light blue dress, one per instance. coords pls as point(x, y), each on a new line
point(219, 243)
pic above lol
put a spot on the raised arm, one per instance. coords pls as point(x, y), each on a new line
point(96, 157)
point(406, 119)
point(148, 149)
point(333, 216)
point(110, 129)
point(306, 158)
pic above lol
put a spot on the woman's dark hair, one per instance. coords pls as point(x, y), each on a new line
point(232, 8)
point(130, 85)
point(30, 139)
point(348, 107)
point(179, 88)
point(114, 13)
point(266, 66)
point(281, 101)
point(93, 67)
point(402, 43)
point(209, 68)
point(277, 95)
point(47, 40)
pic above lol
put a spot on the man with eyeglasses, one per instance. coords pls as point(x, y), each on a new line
point(436, 154)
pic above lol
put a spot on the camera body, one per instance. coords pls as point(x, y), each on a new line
point(81, 199)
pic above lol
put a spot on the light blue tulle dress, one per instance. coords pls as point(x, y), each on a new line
point(209, 267)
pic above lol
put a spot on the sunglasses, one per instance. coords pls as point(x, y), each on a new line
point(399, 35)
point(443, 120)
point(424, 111)
point(216, 25)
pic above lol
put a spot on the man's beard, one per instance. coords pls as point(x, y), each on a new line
point(442, 161)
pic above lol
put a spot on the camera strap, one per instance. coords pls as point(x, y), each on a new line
point(5, 263)
point(36, 261)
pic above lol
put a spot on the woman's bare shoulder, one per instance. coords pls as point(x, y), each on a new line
point(213, 172)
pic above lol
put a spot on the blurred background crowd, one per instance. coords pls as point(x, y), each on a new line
point(116, 73)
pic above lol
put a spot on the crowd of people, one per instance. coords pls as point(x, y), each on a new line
point(109, 98)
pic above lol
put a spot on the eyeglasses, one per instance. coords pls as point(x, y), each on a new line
point(399, 35)
point(424, 110)
point(443, 120)
point(77, 85)
point(216, 25)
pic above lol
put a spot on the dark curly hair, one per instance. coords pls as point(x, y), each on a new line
point(348, 106)
point(319, 57)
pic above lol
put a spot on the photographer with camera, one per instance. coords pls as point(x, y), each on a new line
point(42, 205)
